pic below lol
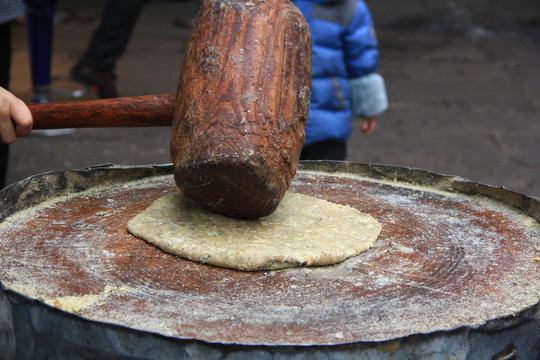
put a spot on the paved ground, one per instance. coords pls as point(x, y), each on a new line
point(462, 76)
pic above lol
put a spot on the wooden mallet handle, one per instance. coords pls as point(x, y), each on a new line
point(137, 111)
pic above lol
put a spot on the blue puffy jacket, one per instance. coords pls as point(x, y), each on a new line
point(344, 49)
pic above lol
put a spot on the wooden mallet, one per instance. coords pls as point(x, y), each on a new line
point(239, 115)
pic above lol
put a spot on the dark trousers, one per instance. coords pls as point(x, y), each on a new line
point(110, 39)
point(326, 150)
point(5, 64)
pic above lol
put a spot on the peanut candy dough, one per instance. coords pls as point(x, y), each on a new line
point(303, 231)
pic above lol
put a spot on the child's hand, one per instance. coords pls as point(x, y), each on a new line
point(369, 125)
point(15, 117)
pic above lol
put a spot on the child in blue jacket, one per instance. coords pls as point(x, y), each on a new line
point(345, 83)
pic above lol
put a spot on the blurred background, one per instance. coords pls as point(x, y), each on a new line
point(463, 80)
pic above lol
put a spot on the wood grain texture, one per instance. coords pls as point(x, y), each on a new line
point(136, 111)
point(242, 106)
point(446, 259)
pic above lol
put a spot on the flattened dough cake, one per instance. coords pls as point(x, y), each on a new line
point(303, 231)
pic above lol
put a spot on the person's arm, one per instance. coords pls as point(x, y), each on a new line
point(368, 92)
point(369, 100)
point(15, 117)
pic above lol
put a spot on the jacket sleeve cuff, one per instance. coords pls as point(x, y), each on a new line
point(368, 95)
